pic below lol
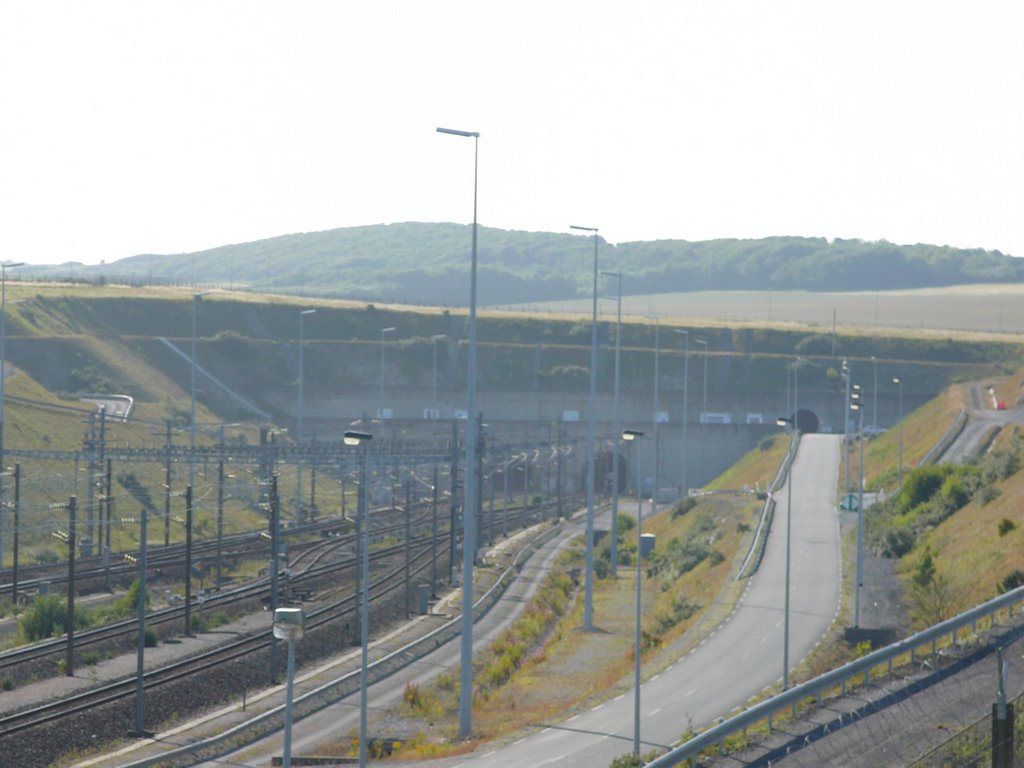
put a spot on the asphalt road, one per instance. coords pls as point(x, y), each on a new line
point(738, 659)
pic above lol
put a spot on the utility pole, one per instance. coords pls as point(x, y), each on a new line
point(69, 662)
point(188, 561)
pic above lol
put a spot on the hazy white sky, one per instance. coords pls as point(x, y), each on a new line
point(135, 127)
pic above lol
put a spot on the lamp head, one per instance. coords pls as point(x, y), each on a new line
point(351, 437)
point(629, 435)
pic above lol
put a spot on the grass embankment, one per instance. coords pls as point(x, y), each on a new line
point(547, 666)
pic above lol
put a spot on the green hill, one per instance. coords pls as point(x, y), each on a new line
point(419, 263)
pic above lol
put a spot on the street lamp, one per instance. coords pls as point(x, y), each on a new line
point(657, 402)
point(874, 393)
point(631, 435)
point(383, 332)
point(618, 424)
point(288, 625)
point(793, 436)
point(3, 378)
point(859, 408)
point(436, 339)
point(588, 604)
point(298, 463)
point(899, 384)
point(469, 486)
point(686, 396)
point(192, 429)
point(361, 440)
point(703, 416)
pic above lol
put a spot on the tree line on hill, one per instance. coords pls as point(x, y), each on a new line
point(428, 264)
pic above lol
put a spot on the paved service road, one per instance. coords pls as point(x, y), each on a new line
point(739, 659)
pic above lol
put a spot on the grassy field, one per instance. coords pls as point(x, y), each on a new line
point(974, 309)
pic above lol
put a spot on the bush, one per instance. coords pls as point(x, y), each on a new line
point(1011, 581)
point(7, 683)
point(47, 616)
point(1006, 525)
point(683, 506)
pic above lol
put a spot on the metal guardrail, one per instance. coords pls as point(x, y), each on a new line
point(951, 434)
point(345, 685)
point(764, 710)
point(753, 559)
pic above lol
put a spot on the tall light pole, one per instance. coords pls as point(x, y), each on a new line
point(683, 490)
point(469, 492)
point(361, 440)
point(3, 379)
point(859, 408)
point(436, 339)
point(793, 436)
point(383, 332)
point(703, 415)
point(874, 393)
point(192, 424)
point(899, 383)
point(300, 435)
point(588, 605)
point(288, 626)
point(657, 403)
point(618, 423)
point(631, 435)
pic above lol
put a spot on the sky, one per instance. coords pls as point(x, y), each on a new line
point(133, 127)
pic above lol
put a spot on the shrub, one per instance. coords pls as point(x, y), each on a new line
point(1006, 525)
point(1011, 581)
point(7, 683)
point(47, 616)
point(683, 506)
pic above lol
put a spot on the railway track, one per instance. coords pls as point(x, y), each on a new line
point(51, 713)
point(313, 564)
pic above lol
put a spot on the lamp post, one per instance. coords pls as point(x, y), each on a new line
point(436, 339)
point(859, 408)
point(703, 415)
point(686, 393)
point(380, 408)
point(469, 493)
point(848, 375)
point(874, 393)
point(298, 463)
point(618, 423)
point(631, 435)
point(3, 379)
point(361, 440)
point(288, 625)
point(192, 424)
point(793, 435)
point(657, 403)
point(588, 605)
point(899, 383)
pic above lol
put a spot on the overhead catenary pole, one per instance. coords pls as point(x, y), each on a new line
point(69, 660)
point(192, 422)
point(300, 436)
point(3, 392)
point(140, 651)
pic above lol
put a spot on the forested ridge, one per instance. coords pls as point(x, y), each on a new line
point(428, 264)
